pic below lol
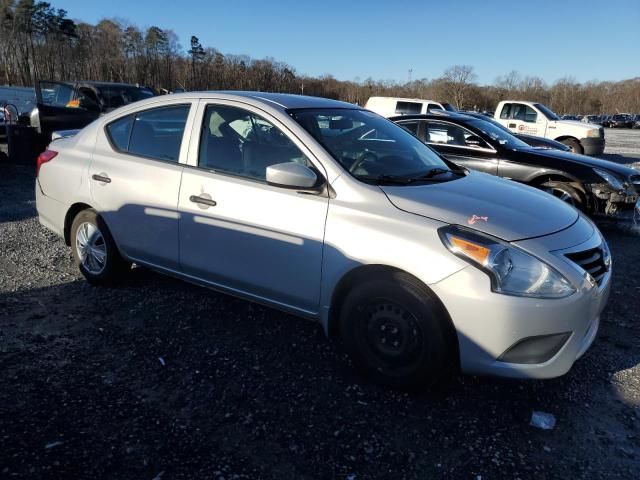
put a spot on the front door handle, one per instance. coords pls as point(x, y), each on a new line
point(101, 178)
point(512, 125)
point(203, 200)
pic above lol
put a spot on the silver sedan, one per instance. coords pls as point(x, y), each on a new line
point(321, 208)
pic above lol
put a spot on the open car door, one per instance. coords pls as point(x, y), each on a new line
point(61, 108)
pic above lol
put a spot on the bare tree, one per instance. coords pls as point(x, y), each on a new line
point(457, 80)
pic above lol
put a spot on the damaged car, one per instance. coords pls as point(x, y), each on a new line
point(594, 186)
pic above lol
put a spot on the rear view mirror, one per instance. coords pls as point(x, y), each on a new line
point(474, 141)
point(291, 175)
point(341, 123)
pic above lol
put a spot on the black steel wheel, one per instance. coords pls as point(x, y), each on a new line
point(397, 333)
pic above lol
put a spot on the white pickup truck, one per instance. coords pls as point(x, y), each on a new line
point(532, 118)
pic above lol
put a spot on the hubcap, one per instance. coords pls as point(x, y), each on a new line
point(392, 337)
point(91, 248)
point(562, 195)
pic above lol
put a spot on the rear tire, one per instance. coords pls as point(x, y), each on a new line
point(94, 250)
point(574, 145)
point(396, 332)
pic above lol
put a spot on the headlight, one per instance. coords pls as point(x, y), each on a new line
point(512, 271)
point(611, 179)
point(595, 133)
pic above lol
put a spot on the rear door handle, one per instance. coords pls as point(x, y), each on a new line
point(101, 178)
point(203, 200)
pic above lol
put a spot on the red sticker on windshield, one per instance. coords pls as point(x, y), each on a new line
point(474, 218)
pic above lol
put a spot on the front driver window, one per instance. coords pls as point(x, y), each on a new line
point(242, 143)
point(451, 134)
point(506, 108)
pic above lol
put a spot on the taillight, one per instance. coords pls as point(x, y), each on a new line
point(43, 158)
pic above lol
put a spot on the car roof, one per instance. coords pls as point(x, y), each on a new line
point(283, 101)
point(439, 115)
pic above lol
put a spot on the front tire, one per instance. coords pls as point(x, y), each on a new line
point(94, 250)
point(395, 332)
point(565, 192)
point(574, 145)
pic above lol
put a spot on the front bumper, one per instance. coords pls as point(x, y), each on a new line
point(489, 324)
point(613, 203)
point(593, 146)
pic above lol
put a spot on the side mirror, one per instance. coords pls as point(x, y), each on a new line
point(291, 175)
point(474, 141)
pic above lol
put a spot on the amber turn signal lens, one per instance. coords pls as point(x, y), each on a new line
point(472, 250)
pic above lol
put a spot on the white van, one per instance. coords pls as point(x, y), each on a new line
point(391, 106)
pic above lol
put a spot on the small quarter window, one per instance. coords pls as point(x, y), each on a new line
point(119, 132)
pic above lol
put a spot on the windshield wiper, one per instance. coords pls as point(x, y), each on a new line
point(407, 180)
point(388, 179)
point(435, 171)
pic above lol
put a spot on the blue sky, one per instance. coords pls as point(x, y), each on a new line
point(585, 39)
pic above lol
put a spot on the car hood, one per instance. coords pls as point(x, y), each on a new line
point(584, 160)
point(576, 124)
point(489, 204)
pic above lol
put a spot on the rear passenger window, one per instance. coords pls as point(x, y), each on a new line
point(242, 143)
point(119, 132)
point(155, 133)
point(405, 108)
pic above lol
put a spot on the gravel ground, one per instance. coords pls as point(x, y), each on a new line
point(159, 379)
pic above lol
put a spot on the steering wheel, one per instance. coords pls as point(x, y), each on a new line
point(365, 157)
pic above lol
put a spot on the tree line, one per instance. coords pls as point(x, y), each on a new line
point(38, 41)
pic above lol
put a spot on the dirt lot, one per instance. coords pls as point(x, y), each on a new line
point(158, 379)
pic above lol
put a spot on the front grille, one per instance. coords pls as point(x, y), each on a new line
point(591, 261)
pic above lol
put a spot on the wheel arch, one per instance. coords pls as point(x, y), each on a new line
point(73, 211)
point(367, 272)
point(541, 178)
point(567, 137)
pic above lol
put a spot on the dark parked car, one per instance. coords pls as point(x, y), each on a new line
point(621, 121)
point(538, 142)
point(73, 105)
point(593, 185)
point(636, 122)
point(595, 119)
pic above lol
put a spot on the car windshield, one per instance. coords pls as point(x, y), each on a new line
point(497, 134)
point(547, 113)
point(372, 148)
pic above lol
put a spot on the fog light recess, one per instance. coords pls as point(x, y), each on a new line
point(537, 349)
